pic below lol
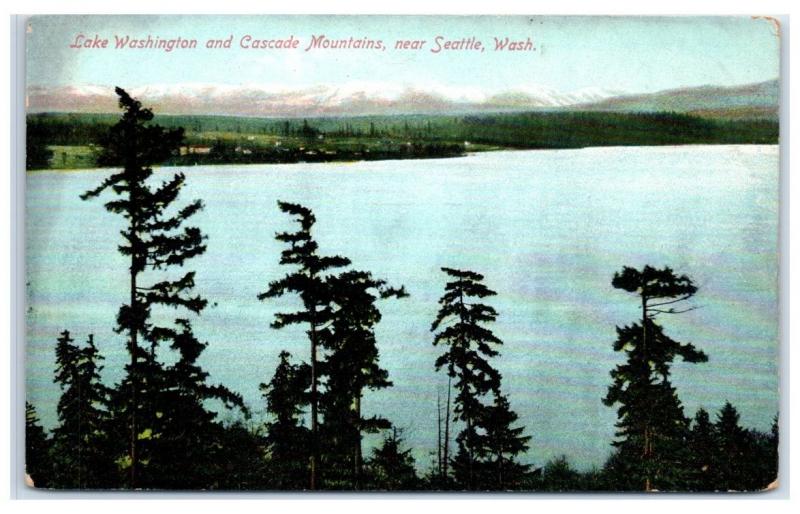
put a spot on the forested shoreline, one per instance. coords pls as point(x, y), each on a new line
point(71, 140)
point(155, 429)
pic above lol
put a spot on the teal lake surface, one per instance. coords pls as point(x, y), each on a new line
point(548, 229)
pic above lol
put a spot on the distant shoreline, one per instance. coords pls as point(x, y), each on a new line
point(467, 154)
point(74, 141)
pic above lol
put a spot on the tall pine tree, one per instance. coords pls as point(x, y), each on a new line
point(155, 240)
point(309, 281)
point(352, 365)
point(652, 430)
point(469, 345)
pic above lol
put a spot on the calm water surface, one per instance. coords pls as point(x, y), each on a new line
point(548, 229)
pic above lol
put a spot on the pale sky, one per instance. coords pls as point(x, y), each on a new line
point(572, 53)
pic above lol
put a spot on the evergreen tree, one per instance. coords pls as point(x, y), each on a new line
point(309, 282)
point(392, 467)
point(352, 365)
point(702, 443)
point(469, 343)
point(760, 461)
point(38, 463)
point(733, 451)
point(187, 444)
point(505, 443)
point(593, 480)
point(652, 428)
point(287, 439)
point(155, 239)
point(772, 455)
point(244, 464)
point(559, 476)
point(744, 459)
point(468, 346)
point(82, 453)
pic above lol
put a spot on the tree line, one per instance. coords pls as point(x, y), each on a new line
point(159, 427)
point(265, 140)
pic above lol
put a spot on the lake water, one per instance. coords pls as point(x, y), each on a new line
point(548, 229)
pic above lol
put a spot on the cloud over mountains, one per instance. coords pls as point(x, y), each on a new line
point(322, 100)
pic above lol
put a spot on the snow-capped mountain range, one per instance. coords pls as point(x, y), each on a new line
point(350, 99)
point(364, 98)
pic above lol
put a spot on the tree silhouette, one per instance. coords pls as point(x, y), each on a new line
point(505, 443)
point(83, 456)
point(732, 450)
point(391, 466)
point(743, 459)
point(559, 476)
point(652, 428)
point(187, 446)
point(702, 444)
point(772, 456)
point(38, 463)
point(352, 365)
point(309, 282)
point(469, 344)
point(287, 439)
point(155, 240)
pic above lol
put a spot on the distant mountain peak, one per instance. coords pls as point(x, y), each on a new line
point(346, 99)
point(760, 99)
point(362, 98)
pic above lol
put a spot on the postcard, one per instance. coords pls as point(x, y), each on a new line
point(402, 253)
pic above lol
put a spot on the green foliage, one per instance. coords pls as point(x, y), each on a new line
point(241, 458)
point(177, 457)
point(307, 281)
point(727, 457)
point(157, 430)
point(584, 129)
point(155, 402)
point(702, 445)
point(732, 441)
point(652, 430)
point(268, 140)
point(340, 311)
point(73, 157)
point(352, 365)
point(83, 454)
point(745, 460)
point(391, 467)
point(488, 444)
